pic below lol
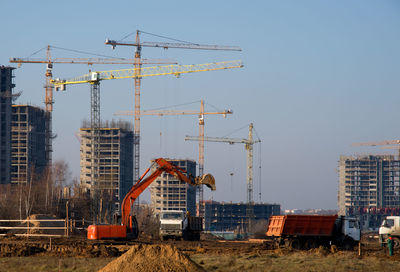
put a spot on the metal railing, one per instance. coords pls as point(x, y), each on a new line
point(68, 227)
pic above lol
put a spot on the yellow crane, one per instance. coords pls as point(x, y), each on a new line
point(49, 61)
point(200, 115)
point(94, 78)
point(138, 44)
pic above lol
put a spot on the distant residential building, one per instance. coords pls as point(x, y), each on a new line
point(169, 193)
point(115, 165)
point(28, 142)
point(6, 91)
point(222, 216)
point(369, 188)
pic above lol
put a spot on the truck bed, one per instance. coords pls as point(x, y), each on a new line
point(195, 223)
point(301, 225)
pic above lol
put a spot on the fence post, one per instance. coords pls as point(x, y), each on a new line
point(66, 219)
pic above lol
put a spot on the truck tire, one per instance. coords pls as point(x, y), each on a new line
point(396, 243)
point(295, 244)
point(186, 236)
point(348, 244)
point(310, 244)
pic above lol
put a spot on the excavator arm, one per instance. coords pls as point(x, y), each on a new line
point(143, 183)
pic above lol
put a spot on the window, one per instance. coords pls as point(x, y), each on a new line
point(388, 223)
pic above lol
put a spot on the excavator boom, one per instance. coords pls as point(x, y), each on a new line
point(143, 183)
point(128, 222)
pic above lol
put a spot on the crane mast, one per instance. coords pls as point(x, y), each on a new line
point(249, 142)
point(138, 44)
point(200, 115)
point(249, 173)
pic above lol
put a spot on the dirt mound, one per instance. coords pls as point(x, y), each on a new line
point(143, 258)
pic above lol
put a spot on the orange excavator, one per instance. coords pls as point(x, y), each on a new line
point(129, 227)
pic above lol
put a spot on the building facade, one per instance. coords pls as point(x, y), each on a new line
point(369, 188)
point(6, 87)
point(28, 143)
point(220, 216)
point(169, 193)
point(115, 162)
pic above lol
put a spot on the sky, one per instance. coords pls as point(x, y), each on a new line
point(317, 77)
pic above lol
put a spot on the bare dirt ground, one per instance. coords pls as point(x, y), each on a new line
point(79, 254)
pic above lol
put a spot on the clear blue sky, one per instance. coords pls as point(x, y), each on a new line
point(318, 76)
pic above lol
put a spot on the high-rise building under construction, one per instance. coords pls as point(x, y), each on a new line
point(369, 188)
point(114, 162)
point(28, 143)
point(168, 193)
point(6, 87)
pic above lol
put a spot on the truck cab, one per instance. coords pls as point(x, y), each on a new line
point(171, 224)
point(390, 226)
point(351, 228)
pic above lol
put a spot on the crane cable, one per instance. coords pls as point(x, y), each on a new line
point(156, 35)
point(75, 51)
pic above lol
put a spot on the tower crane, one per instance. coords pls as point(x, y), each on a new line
point(249, 148)
point(49, 61)
point(94, 78)
point(379, 143)
point(138, 44)
point(201, 115)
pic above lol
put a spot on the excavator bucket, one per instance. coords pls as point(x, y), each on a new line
point(208, 180)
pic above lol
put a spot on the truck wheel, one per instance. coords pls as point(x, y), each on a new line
point(295, 244)
point(348, 244)
point(396, 243)
point(310, 244)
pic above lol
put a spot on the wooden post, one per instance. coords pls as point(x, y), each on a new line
point(50, 243)
point(359, 248)
point(66, 218)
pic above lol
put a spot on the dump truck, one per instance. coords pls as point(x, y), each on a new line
point(180, 225)
point(312, 231)
point(128, 229)
point(390, 226)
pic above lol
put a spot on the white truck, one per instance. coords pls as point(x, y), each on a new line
point(180, 225)
point(390, 226)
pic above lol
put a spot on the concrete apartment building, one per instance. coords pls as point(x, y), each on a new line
point(28, 142)
point(169, 193)
point(369, 188)
point(115, 163)
point(6, 87)
point(221, 216)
